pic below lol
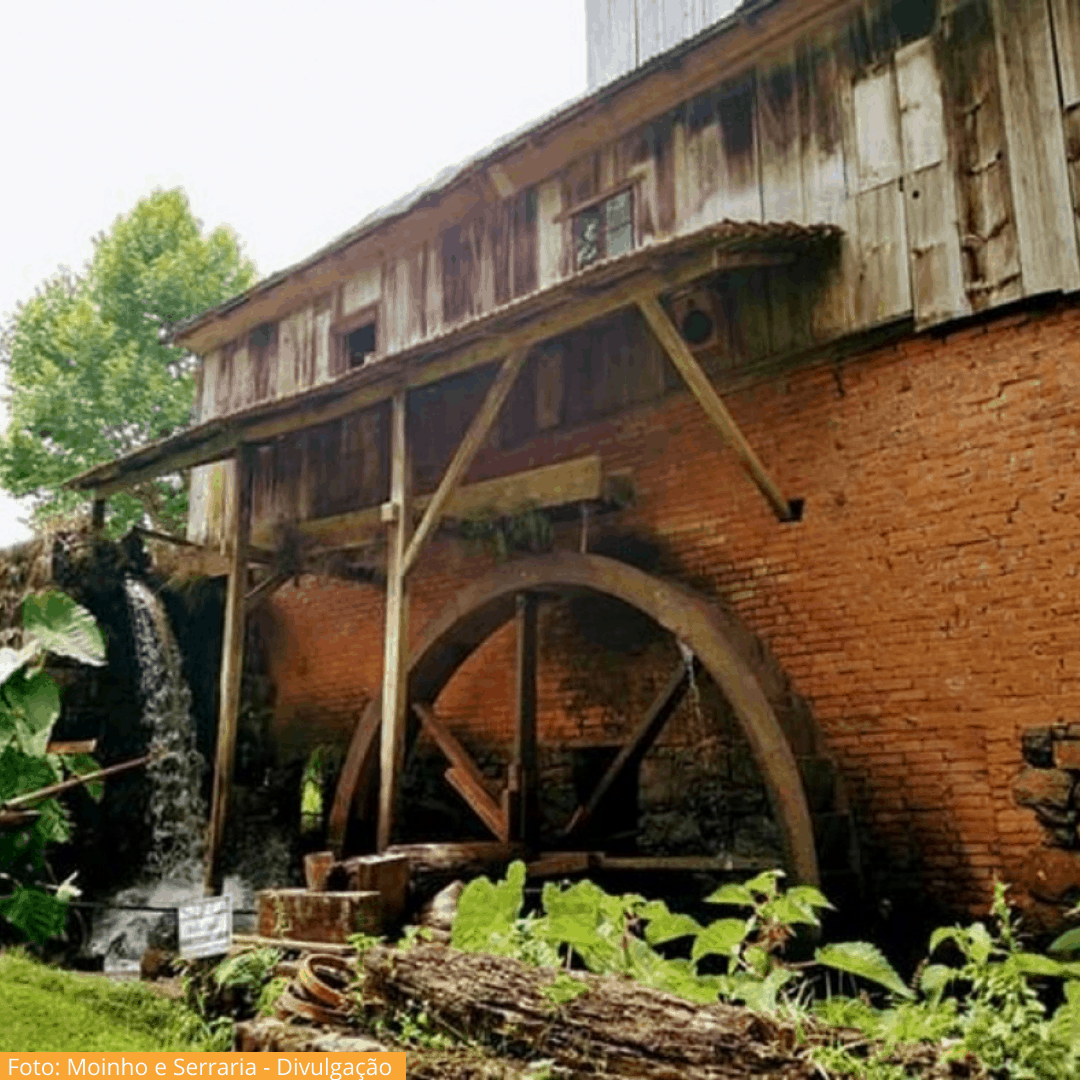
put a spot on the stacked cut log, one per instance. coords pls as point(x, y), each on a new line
point(1049, 786)
point(615, 1028)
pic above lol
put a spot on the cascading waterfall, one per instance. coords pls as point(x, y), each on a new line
point(177, 810)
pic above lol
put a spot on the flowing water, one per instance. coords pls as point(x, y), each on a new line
point(177, 810)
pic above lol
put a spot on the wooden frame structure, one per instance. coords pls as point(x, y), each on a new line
point(638, 279)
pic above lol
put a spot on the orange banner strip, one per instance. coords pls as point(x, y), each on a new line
point(266, 1066)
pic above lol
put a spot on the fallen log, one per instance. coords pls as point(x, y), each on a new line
point(617, 1029)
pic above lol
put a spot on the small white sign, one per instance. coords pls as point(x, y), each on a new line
point(205, 927)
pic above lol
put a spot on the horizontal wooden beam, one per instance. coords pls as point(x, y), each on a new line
point(686, 364)
point(578, 480)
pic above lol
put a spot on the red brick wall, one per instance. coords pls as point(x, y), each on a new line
point(926, 606)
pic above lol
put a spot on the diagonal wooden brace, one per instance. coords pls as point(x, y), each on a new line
point(463, 456)
point(687, 366)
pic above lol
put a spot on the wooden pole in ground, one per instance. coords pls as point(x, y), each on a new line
point(97, 515)
point(395, 693)
point(232, 664)
point(524, 770)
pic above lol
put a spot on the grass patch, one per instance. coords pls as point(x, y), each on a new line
point(46, 1009)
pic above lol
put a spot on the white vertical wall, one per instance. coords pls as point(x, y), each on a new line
point(621, 34)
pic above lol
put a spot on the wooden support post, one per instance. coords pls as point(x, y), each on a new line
point(463, 456)
point(232, 665)
point(523, 805)
point(688, 367)
point(97, 515)
point(665, 703)
point(396, 644)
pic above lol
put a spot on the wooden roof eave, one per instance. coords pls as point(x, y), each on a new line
point(591, 294)
point(523, 158)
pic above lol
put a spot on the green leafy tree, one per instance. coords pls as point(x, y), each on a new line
point(89, 376)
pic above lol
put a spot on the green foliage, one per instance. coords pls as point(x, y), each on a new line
point(88, 375)
point(29, 708)
point(527, 531)
point(248, 970)
point(987, 1006)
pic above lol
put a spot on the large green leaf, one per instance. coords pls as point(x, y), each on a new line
point(864, 960)
point(720, 938)
point(33, 702)
point(665, 925)
point(83, 765)
point(733, 894)
point(486, 913)
point(63, 627)
point(34, 913)
point(1067, 942)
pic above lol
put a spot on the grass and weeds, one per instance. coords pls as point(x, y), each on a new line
point(46, 1009)
point(981, 994)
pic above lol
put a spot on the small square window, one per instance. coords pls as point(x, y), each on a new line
point(360, 345)
point(604, 230)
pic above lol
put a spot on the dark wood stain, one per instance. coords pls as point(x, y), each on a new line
point(736, 115)
point(967, 59)
point(460, 272)
point(658, 135)
point(526, 214)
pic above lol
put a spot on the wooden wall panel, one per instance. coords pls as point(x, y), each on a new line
point(1066, 18)
point(967, 60)
point(1049, 257)
point(611, 39)
point(549, 233)
point(1072, 155)
point(937, 278)
point(781, 142)
point(361, 291)
point(322, 320)
point(822, 90)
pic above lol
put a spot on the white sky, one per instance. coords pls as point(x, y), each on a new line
point(289, 122)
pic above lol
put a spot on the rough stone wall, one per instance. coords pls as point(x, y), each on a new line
point(925, 605)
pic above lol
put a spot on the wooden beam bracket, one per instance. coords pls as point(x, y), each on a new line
point(686, 364)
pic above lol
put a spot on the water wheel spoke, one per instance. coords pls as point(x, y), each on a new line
point(660, 711)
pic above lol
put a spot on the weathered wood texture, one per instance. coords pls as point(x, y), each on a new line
point(232, 667)
point(941, 137)
point(617, 1028)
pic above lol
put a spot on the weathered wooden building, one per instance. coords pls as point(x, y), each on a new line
point(827, 248)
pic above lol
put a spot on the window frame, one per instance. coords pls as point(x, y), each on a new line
point(349, 324)
point(600, 201)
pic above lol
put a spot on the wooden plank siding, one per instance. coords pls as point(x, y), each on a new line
point(943, 138)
